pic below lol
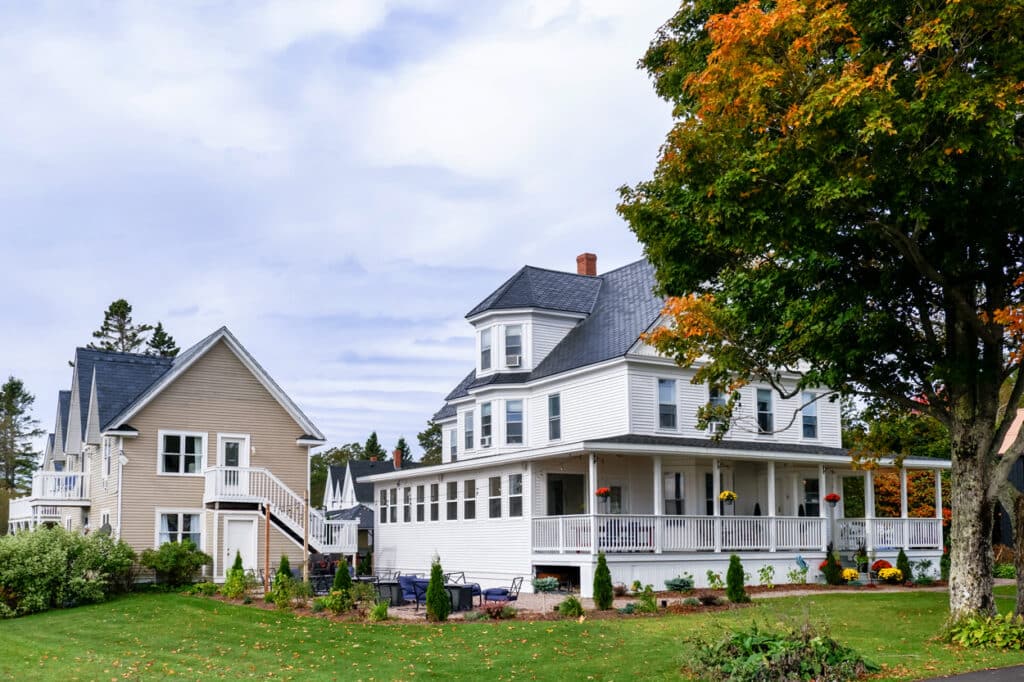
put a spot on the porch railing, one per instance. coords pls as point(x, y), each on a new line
point(60, 485)
point(910, 533)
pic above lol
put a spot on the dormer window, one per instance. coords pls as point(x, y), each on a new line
point(514, 345)
point(485, 349)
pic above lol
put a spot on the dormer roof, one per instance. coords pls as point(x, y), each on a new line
point(543, 290)
point(63, 409)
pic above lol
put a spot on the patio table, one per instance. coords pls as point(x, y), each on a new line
point(461, 596)
point(390, 590)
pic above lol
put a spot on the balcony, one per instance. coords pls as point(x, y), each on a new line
point(60, 486)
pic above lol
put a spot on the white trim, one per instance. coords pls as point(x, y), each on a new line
point(93, 410)
point(240, 516)
point(658, 428)
point(311, 442)
point(541, 312)
point(200, 350)
point(159, 511)
point(121, 460)
point(204, 463)
point(245, 454)
point(121, 434)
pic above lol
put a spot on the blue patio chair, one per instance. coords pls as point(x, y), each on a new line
point(407, 583)
point(504, 593)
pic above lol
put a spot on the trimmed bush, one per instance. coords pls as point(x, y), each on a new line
point(603, 594)
point(439, 605)
point(175, 563)
point(831, 568)
point(646, 602)
point(283, 569)
point(681, 583)
point(342, 580)
point(903, 564)
point(365, 565)
point(734, 589)
point(53, 568)
point(570, 608)
point(235, 585)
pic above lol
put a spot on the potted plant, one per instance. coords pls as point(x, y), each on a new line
point(861, 558)
point(727, 496)
point(832, 499)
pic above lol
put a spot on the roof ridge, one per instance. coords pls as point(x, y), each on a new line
point(557, 272)
point(623, 267)
point(119, 353)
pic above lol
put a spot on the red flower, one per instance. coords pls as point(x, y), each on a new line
point(603, 492)
point(832, 497)
point(822, 565)
point(879, 565)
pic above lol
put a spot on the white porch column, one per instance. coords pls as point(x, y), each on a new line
point(772, 534)
point(659, 502)
point(592, 479)
point(869, 509)
point(938, 502)
point(822, 512)
point(716, 506)
point(904, 524)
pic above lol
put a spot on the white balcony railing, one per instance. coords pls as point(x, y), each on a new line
point(908, 533)
point(60, 485)
point(253, 484)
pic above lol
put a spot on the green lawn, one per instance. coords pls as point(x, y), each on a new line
point(155, 636)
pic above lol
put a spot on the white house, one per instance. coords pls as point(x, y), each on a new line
point(565, 399)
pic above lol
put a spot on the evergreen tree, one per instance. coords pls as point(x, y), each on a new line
point(342, 580)
point(430, 441)
point(284, 570)
point(603, 594)
point(406, 451)
point(832, 569)
point(373, 449)
point(118, 332)
point(319, 464)
point(734, 589)
point(17, 429)
point(161, 343)
point(439, 605)
point(903, 564)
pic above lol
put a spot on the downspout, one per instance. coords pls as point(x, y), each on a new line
point(121, 460)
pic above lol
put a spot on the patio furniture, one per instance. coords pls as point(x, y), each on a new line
point(459, 578)
point(321, 573)
point(413, 589)
point(504, 593)
point(390, 591)
point(461, 596)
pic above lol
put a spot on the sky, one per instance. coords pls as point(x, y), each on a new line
point(337, 182)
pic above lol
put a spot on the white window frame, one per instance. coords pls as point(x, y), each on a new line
point(714, 425)
point(205, 439)
point(522, 345)
point(522, 422)
point(68, 523)
point(809, 410)
point(393, 506)
point(555, 419)
point(658, 404)
point(246, 445)
point(449, 500)
point(490, 424)
point(468, 430)
point(469, 485)
point(758, 392)
point(514, 495)
point(489, 336)
point(421, 502)
point(453, 445)
point(492, 498)
point(160, 511)
point(434, 491)
point(407, 504)
point(383, 505)
point(105, 463)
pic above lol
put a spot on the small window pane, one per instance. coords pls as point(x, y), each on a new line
point(172, 443)
point(667, 403)
point(515, 484)
point(515, 506)
point(172, 464)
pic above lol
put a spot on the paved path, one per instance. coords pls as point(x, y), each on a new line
point(1014, 674)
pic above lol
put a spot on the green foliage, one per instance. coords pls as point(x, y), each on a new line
point(118, 333)
point(161, 343)
point(319, 464)
point(944, 564)
point(205, 589)
point(404, 448)
point(734, 590)
point(637, 586)
point(903, 564)
point(439, 604)
point(1004, 631)
point(1004, 571)
point(365, 566)
point(337, 601)
point(603, 594)
point(237, 565)
point(691, 601)
point(342, 580)
point(797, 576)
point(766, 576)
point(53, 568)
point(832, 569)
point(629, 609)
point(18, 458)
point(754, 655)
point(379, 611)
point(281, 591)
point(235, 585)
point(646, 602)
point(681, 583)
point(715, 580)
point(430, 440)
point(373, 448)
point(499, 610)
point(284, 569)
point(175, 563)
point(570, 608)
point(363, 593)
point(542, 585)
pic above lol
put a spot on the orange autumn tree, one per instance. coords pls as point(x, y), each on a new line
point(841, 194)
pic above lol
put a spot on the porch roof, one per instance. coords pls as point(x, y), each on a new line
point(640, 445)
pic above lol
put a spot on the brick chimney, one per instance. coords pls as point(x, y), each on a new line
point(397, 456)
point(586, 264)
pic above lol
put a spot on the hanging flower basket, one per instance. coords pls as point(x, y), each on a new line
point(832, 499)
point(603, 492)
point(727, 496)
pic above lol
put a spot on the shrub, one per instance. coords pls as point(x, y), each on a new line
point(284, 569)
point(851, 574)
point(645, 600)
point(337, 601)
point(629, 609)
point(363, 593)
point(301, 592)
point(499, 610)
point(691, 601)
point(603, 595)
point(342, 579)
point(766, 576)
point(734, 578)
point(715, 580)
point(903, 564)
point(1004, 571)
point(879, 565)
point(619, 589)
point(831, 568)
point(570, 608)
point(439, 604)
point(234, 582)
point(206, 589)
point(544, 584)
point(281, 591)
point(944, 564)
point(365, 565)
point(795, 654)
point(379, 611)
point(318, 605)
point(893, 576)
point(996, 632)
point(475, 615)
point(797, 576)
point(708, 598)
point(681, 583)
point(175, 563)
point(52, 568)
point(637, 586)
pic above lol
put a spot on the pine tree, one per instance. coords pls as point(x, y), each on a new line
point(430, 441)
point(903, 564)
point(342, 579)
point(734, 589)
point(406, 451)
point(161, 343)
point(373, 449)
point(118, 333)
point(439, 605)
point(603, 594)
point(284, 570)
point(17, 429)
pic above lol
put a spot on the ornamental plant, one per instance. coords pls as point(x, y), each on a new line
point(903, 564)
point(879, 565)
point(603, 492)
point(734, 589)
point(851, 574)
point(831, 568)
point(893, 576)
point(832, 498)
point(438, 603)
point(342, 580)
point(284, 569)
point(175, 563)
point(234, 582)
point(603, 594)
point(727, 496)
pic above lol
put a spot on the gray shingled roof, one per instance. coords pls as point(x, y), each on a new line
point(625, 307)
point(544, 289)
point(121, 378)
point(360, 512)
point(63, 407)
point(364, 467)
point(337, 472)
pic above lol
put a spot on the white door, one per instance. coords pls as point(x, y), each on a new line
point(240, 537)
point(234, 455)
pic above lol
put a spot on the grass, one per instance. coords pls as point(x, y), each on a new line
point(169, 636)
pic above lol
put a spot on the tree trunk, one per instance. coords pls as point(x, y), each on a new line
point(5, 507)
point(970, 574)
point(1018, 550)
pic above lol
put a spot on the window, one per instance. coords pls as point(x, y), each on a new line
point(433, 501)
point(675, 503)
point(485, 425)
point(514, 345)
point(453, 445)
point(469, 499)
point(515, 495)
point(513, 421)
point(383, 505)
point(615, 499)
point(182, 453)
point(394, 505)
point(106, 458)
point(469, 431)
point(180, 526)
point(58, 466)
point(420, 503)
point(667, 403)
point(716, 399)
point(67, 523)
point(485, 349)
point(554, 416)
point(105, 519)
point(452, 497)
point(764, 410)
point(811, 505)
point(407, 507)
point(810, 416)
point(494, 498)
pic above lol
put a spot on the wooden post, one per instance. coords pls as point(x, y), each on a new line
point(305, 535)
point(266, 549)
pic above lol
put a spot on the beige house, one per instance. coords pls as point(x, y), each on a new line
point(204, 446)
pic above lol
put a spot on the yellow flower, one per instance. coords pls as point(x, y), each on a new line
point(850, 574)
point(891, 575)
point(727, 496)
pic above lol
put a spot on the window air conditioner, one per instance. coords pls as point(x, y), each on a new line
point(485, 441)
point(513, 360)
